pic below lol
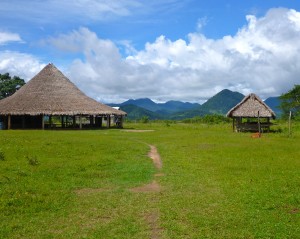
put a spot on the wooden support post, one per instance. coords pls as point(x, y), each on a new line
point(8, 122)
point(23, 121)
point(80, 122)
point(50, 121)
point(43, 122)
point(233, 124)
point(108, 121)
point(121, 122)
point(290, 118)
point(259, 129)
point(74, 121)
point(91, 121)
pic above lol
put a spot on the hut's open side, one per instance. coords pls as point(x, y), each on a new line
point(51, 100)
point(251, 114)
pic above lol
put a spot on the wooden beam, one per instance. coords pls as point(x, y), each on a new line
point(258, 122)
point(23, 121)
point(80, 122)
point(43, 122)
point(92, 121)
point(50, 121)
point(8, 122)
point(108, 121)
point(121, 123)
point(74, 121)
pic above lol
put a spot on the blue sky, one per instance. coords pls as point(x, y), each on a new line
point(184, 50)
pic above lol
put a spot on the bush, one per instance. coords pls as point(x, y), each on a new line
point(208, 119)
point(145, 119)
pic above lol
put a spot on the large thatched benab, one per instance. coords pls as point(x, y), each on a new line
point(251, 114)
point(51, 100)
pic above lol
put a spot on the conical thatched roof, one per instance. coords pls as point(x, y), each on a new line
point(250, 106)
point(51, 93)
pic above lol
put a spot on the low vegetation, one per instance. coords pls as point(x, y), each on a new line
point(213, 184)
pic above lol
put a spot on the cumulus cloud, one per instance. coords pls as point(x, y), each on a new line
point(19, 64)
point(262, 57)
point(6, 37)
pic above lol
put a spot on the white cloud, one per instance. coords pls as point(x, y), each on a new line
point(19, 64)
point(6, 37)
point(262, 57)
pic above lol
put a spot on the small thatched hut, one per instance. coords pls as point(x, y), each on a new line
point(51, 100)
point(251, 114)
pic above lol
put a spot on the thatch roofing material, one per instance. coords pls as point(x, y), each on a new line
point(51, 93)
point(249, 107)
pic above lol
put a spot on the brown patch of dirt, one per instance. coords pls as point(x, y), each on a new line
point(256, 135)
point(88, 191)
point(148, 188)
point(294, 211)
point(154, 155)
point(159, 175)
point(152, 220)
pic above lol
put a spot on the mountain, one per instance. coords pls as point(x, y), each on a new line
point(160, 108)
point(143, 103)
point(173, 106)
point(222, 102)
point(135, 112)
point(274, 103)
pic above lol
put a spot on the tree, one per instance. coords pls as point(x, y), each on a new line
point(9, 85)
point(290, 101)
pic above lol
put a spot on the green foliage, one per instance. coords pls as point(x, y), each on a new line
point(9, 85)
point(144, 119)
point(290, 101)
point(208, 119)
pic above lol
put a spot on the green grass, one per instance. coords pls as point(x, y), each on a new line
point(216, 183)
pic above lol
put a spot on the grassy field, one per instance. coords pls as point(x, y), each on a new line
point(214, 183)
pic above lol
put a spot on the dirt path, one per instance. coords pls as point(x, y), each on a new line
point(154, 186)
point(154, 155)
point(152, 217)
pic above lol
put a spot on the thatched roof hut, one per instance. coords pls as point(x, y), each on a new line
point(254, 110)
point(50, 93)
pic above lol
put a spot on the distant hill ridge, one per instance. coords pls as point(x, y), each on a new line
point(220, 103)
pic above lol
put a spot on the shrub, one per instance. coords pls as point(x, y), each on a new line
point(145, 119)
point(208, 119)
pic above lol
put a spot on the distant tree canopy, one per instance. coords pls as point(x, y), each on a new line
point(9, 85)
point(290, 101)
